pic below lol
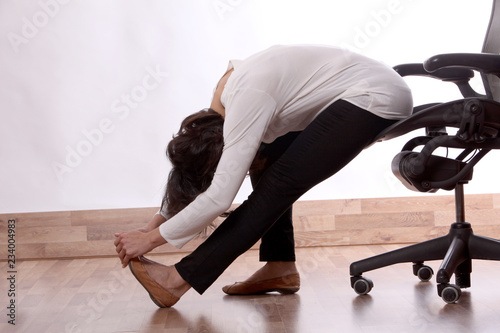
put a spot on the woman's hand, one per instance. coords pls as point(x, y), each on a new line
point(131, 244)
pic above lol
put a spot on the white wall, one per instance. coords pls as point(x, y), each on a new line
point(91, 91)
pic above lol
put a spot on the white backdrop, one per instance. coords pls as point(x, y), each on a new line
point(91, 91)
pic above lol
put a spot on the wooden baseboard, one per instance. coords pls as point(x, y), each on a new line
point(89, 233)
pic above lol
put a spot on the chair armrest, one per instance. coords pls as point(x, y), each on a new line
point(453, 74)
point(482, 62)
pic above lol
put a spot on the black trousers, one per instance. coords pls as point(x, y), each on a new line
point(295, 163)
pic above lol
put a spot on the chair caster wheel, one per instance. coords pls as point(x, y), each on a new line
point(361, 285)
point(450, 293)
point(424, 273)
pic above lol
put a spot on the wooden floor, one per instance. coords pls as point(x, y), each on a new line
point(96, 295)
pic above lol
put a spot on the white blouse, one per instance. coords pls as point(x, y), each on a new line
point(276, 91)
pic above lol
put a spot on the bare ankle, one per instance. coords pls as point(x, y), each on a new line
point(285, 266)
point(176, 282)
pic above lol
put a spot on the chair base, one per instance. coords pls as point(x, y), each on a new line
point(457, 249)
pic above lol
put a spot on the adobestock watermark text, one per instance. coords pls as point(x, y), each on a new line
point(378, 22)
point(32, 25)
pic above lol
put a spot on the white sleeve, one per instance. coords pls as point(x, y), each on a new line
point(248, 113)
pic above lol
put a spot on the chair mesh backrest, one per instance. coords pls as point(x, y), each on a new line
point(492, 45)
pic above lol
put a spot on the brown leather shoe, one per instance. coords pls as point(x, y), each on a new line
point(287, 284)
point(159, 295)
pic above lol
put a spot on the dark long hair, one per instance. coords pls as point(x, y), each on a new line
point(194, 153)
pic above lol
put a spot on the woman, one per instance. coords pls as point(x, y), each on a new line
point(293, 116)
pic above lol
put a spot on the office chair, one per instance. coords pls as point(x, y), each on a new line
point(476, 118)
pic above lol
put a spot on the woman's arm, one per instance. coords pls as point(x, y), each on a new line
point(155, 222)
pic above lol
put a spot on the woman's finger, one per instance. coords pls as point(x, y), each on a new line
point(118, 238)
point(125, 261)
point(123, 255)
point(124, 258)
